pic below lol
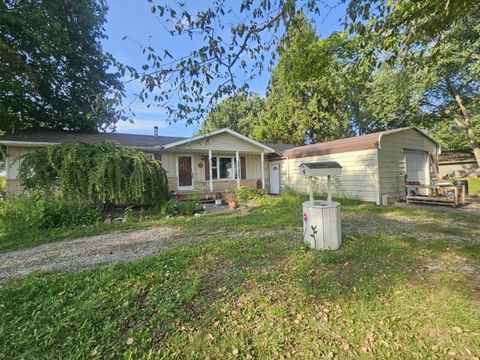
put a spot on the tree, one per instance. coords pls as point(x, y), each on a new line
point(306, 99)
point(241, 45)
point(453, 94)
point(438, 49)
point(99, 173)
point(239, 113)
point(53, 71)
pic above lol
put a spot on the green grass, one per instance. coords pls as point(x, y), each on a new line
point(252, 290)
point(474, 186)
point(34, 238)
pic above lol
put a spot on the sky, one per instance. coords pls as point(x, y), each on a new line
point(134, 20)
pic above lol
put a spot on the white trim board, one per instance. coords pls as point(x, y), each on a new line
point(216, 132)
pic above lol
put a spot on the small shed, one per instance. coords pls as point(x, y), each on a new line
point(374, 167)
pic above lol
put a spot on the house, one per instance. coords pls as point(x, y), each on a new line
point(459, 163)
point(236, 160)
point(374, 166)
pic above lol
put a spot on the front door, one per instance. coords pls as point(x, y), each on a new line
point(274, 178)
point(185, 172)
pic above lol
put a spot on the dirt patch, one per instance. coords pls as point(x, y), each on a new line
point(90, 251)
point(421, 228)
point(455, 264)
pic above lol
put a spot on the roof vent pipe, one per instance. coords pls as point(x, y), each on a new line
point(155, 131)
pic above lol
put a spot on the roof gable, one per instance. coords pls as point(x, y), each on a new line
point(202, 141)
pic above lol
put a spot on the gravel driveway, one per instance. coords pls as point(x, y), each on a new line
point(88, 252)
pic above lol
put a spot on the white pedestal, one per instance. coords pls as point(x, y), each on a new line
point(321, 225)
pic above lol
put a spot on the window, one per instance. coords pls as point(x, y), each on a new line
point(223, 168)
point(214, 168)
point(226, 168)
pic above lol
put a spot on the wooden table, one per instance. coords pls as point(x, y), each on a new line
point(436, 194)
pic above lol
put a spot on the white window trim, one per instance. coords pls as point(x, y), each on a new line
point(217, 167)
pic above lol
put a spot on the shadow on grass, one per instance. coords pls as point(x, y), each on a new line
point(163, 303)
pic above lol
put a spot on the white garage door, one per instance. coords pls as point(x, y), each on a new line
point(417, 166)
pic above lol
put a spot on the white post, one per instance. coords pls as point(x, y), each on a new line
point(210, 169)
point(262, 160)
point(238, 170)
point(310, 180)
point(329, 190)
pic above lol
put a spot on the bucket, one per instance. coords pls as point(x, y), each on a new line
point(462, 183)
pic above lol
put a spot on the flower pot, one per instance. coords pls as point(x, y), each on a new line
point(232, 204)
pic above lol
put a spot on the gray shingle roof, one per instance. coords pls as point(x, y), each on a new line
point(279, 148)
point(123, 139)
point(133, 140)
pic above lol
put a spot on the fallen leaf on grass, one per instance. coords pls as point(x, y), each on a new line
point(457, 329)
point(129, 341)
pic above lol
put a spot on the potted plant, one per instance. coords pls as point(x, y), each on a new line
point(231, 200)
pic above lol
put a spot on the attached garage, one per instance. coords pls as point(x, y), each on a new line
point(375, 167)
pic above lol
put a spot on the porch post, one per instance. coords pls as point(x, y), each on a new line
point(210, 169)
point(238, 170)
point(262, 159)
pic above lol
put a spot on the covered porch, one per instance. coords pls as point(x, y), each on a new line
point(219, 171)
point(222, 161)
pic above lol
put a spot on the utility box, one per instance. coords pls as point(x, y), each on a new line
point(322, 228)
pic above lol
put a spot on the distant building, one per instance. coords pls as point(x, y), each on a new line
point(459, 163)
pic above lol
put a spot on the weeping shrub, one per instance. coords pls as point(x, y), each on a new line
point(99, 173)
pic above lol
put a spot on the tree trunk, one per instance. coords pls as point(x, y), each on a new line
point(465, 122)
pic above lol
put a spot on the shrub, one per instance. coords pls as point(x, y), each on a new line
point(173, 207)
point(291, 198)
point(246, 193)
point(3, 186)
point(24, 214)
point(99, 173)
point(187, 208)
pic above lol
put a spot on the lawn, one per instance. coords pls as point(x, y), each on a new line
point(406, 283)
point(474, 186)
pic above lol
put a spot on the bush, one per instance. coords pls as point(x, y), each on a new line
point(98, 173)
point(174, 208)
point(24, 214)
point(246, 193)
point(291, 198)
point(3, 186)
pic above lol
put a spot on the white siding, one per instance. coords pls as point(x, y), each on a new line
point(391, 159)
point(358, 179)
point(221, 142)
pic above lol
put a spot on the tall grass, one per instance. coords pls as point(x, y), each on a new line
point(32, 213)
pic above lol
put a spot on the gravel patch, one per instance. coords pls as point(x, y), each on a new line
point(83, 253)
